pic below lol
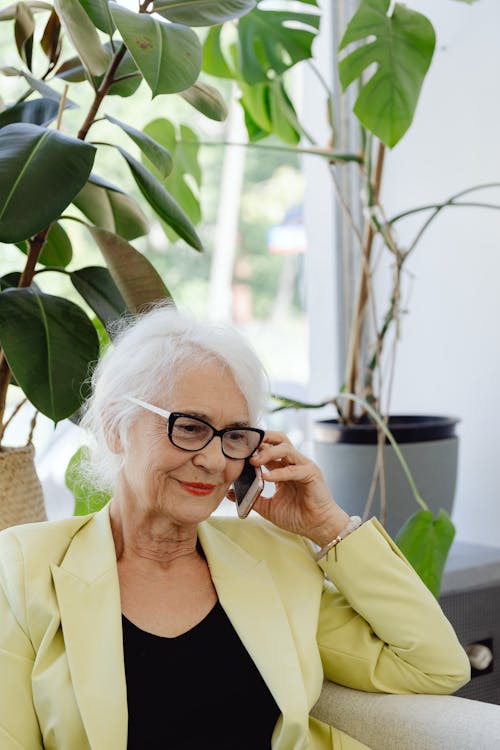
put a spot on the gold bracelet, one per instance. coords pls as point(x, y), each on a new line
point(354, 523)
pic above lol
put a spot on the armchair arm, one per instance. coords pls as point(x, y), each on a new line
point(410, 722)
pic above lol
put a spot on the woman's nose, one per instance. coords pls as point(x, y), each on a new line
point(211, 456)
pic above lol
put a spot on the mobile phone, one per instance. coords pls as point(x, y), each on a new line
point(247, 488)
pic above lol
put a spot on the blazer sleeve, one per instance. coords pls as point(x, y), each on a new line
point(380, 628)
point(19, 727)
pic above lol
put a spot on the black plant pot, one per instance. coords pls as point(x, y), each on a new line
point(347, 456)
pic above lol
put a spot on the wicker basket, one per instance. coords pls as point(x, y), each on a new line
point(21, 495)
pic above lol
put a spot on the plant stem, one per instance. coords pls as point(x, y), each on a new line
point(353, 355)
point(101, 92)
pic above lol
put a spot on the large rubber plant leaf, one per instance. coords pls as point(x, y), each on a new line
point(83, 35)
point(56, 251)
point(99, 14)
point(95, 284)
point(9, 13)
point(49, 344)
point(139, 282)
point(162, 202)
point(207, 100)
point(41, 171)
point(87, 498)
point(24, 28)
point(425, 541)
point(269, 42)
point(168, 55)
point(109, 208)
point(400, 47)
point(154, 151)
point(40, 111)
point(202, 12)
point(184, 181)
point(51, 38)
point(46, 90)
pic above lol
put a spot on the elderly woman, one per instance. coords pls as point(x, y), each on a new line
point(157, 624)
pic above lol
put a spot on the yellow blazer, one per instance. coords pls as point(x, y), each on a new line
point(373, 625)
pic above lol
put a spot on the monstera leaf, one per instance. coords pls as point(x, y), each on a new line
point(272, 41)
point(401, 52)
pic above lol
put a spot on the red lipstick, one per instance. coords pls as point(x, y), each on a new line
point(197, 488)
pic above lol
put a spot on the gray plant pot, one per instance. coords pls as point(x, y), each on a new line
point(347, 457)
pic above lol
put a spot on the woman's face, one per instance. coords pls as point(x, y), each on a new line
point(161, 479)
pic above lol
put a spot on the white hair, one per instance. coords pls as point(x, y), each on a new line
point(148, 353)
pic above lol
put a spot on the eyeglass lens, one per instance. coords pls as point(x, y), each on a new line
point(192, 434)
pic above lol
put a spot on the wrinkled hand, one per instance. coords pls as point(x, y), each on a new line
point(302, 502)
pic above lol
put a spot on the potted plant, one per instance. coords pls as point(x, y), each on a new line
point(48, 186)
point(385, 52)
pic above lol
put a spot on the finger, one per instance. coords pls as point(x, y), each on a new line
point(231, 495)
point(274, 437)
point(291, 473)
point(279, 452)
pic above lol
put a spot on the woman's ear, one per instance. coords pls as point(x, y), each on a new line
point(111, 435)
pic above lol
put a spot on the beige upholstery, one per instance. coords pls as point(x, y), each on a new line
point(410, 722)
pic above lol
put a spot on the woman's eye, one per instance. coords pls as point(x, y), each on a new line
point(236, 437)
point(190, 428)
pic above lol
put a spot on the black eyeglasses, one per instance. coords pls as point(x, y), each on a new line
point(192, 433)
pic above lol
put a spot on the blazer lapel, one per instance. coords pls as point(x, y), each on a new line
point(253, 604)
point(88, 594)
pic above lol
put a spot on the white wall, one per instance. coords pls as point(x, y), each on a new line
point(449, 357)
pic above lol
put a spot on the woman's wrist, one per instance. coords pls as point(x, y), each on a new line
point(353, 524)
point(330, 528)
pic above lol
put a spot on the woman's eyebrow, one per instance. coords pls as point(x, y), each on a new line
point(206, 418)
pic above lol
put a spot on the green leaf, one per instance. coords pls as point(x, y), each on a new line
point(207, 100)
point(214, 61)
point(156, 153)
point(270, 108)
point(202, 12)
point(99, 14)
point(57, 250)
point(138, 281)
point(425, 541)
point(402, 51)
point(45, 90)
point(96, 286)
point(168, 55)
point(9, 13)
point(87, 498)
point(32, 157)
point(71, 70)
point(269, 42)
point(83, 35)
point(111, 209)
point(24, 28)
point(40, 111)
point(161, 201)
point(185, 179)
point(51, 38)
point(49, 343)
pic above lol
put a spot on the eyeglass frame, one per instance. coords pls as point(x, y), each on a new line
point(171, 416)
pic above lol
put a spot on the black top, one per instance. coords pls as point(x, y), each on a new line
point(200, 689)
